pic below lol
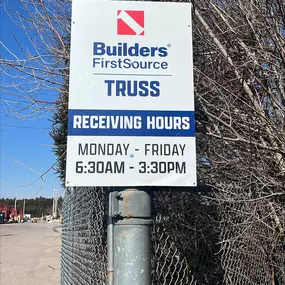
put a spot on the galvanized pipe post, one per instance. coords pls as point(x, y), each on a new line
point(110, 239)
point(131, 246)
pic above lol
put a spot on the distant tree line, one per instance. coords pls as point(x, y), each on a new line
point(36, 207)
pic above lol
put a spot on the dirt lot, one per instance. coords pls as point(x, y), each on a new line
point(30, 254)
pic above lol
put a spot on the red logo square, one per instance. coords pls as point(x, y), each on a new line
point(130, 22)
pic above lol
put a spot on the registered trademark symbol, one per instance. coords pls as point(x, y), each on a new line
point(169, 45)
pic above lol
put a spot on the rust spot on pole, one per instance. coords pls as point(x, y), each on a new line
point(110, 277)
point(126, 201)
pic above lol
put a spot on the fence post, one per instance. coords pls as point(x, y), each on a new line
point(132, 242)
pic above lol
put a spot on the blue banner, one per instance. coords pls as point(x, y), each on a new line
point(131, 123)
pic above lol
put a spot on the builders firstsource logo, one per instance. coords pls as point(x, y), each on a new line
point(129, 54)
point(130, 22)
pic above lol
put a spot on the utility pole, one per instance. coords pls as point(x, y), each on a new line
point(53, 206)
point(15, 205)
point(54, 200)
point(56, 205)
point(24, 207)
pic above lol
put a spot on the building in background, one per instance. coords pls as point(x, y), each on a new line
point(11, 214)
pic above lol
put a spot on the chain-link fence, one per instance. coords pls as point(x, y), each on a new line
point(194, 241)
point(185, 236)
point(84, 248)
point(252, 250)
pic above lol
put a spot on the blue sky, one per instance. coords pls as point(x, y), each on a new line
point(26, 147)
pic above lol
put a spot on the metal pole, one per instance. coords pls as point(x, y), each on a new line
point(131, 211)
point(24, 208)
point(55, 207)
point(54, 201)
point(15, 205)
point(110, 240)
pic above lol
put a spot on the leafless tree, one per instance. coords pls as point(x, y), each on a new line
point(239, 85)
point(35, 64)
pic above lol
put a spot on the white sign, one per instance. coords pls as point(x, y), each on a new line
point(131, 102)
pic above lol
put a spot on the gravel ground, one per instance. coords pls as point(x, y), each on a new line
point(30, 254)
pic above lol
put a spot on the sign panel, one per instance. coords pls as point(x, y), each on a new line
point(131, 102)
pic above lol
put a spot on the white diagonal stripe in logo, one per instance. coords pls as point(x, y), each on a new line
point(130, 22)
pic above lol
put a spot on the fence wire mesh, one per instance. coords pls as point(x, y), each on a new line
point(252, 250)
point(195, 241)
point(185, 233)
point(84, 251)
